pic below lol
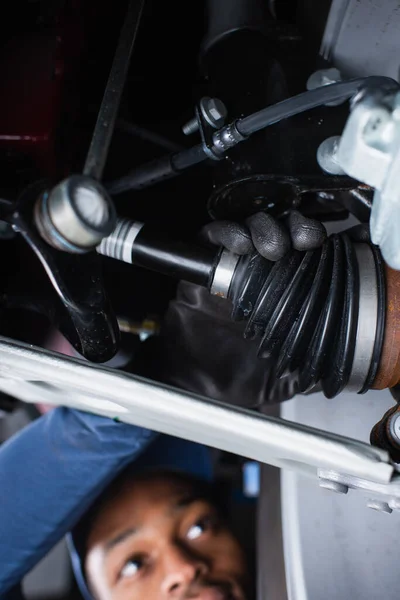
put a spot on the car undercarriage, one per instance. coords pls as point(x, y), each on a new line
point(125, 128)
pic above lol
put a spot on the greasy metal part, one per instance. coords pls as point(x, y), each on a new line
point(367, 318)
point(385, 434)
point(75, 215)
point(104, 128)
point(239, 198)
point(369, 151)
point(214, 112)
point(76, 301)
point(223, 274)
point(389, 369)
point(36, 375)
point(226, 138)
point(119, 244)
point(394, 428)
point(190, 127)
point(208, 124)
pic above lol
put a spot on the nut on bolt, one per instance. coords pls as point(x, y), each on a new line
point(213, 111)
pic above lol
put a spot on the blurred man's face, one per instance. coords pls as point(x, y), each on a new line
point(157, 541)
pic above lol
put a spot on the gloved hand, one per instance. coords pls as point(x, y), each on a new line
point(200, 348)
point(266, 235)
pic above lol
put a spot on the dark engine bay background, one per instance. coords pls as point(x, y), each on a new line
point(54, 62)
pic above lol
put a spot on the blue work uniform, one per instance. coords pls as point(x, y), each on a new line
point(53, 470)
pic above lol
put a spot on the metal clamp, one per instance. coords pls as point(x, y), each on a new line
point(224, 273)
point(209, 120)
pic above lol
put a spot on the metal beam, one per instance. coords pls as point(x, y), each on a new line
point(35, 375)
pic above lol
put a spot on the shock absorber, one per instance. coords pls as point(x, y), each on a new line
point(330, 314)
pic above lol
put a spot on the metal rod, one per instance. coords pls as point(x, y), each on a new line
point(35, 375)
point(104, 128)
point(148, 136)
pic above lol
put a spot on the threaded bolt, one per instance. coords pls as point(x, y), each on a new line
point(213, 111)
point(191, 126)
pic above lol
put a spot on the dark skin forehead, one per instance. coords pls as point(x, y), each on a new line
point(151, 515)
point(172, 491)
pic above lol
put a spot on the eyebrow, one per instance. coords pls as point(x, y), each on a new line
point(189, 499)
point(183, 502)
point(120, 538)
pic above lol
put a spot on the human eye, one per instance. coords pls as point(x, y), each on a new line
point(201, 526)
point(132, 566)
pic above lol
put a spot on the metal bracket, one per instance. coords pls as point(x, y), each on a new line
point(384, 497)
point(369, 151)
point(75, 299)
point(207, 127)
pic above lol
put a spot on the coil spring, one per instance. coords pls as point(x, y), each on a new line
point(304, 308)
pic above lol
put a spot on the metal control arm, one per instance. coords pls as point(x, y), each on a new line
point(35, 375)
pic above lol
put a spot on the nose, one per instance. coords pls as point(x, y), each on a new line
point(180, 570)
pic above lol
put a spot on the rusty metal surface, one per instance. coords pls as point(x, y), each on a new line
point(381, 435)
point(389, 370)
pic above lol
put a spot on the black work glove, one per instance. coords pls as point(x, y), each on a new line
point(200, 348)
point(264, 234)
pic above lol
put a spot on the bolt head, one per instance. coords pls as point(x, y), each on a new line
point(333, 486)
point(380, 506)
point(214, 111)
point(327, 156)
point(325, 77)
